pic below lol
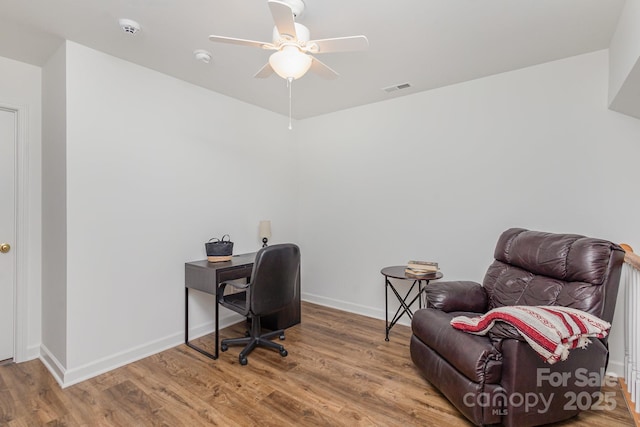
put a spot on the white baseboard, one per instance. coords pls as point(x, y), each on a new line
point(615, 368)
point(72, 376)
point(375, 312)
point(108, 363)
point(52, 364)
point(67, 377)
point(30, 353)
point(33, 352)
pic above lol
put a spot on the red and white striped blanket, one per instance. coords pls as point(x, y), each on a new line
point(550, 330)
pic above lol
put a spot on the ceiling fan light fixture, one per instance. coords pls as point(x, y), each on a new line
point(290, 62)
point(302, 35)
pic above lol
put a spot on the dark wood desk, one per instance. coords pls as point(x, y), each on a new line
point(206, 276)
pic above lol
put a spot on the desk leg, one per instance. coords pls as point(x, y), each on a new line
point(186, 328)
point(217, 325)
point(186, 315)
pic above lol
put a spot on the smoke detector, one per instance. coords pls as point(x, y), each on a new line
point(129, 26)
point(202, 55)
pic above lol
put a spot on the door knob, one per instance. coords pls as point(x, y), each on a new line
point(5, 247)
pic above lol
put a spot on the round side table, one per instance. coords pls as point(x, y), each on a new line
point(419, 282)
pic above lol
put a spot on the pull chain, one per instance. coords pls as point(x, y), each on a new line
point(289, 84)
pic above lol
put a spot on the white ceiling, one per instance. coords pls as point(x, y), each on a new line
point(427, 43)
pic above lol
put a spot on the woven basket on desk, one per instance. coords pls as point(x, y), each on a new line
point(219, 250)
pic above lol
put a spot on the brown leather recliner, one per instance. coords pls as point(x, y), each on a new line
point(498, 378)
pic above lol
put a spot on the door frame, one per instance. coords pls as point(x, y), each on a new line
point(21, 243)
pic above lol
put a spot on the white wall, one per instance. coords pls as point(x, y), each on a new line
point(625, 47)
point(436, 175)
point(155, 167)
point(20, 88)
point(624, 62)
point(54, 214)
point(439, 175)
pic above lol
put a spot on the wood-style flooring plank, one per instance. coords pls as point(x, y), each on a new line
point(339, 372)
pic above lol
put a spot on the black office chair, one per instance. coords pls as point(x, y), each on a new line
point(272, 287)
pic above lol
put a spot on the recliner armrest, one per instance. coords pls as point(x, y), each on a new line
point(457, 296)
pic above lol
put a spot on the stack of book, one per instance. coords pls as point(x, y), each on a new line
point(421, 268)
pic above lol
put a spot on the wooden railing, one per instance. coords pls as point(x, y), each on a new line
point(630, 279)
point(632, 259)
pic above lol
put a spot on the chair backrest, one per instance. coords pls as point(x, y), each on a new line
point(274, 277)
point(536, 268)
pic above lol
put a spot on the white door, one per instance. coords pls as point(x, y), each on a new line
point(7, 231)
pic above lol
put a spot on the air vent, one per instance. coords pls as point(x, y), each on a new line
point(396, 87)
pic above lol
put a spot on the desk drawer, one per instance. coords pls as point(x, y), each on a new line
point(239, 272)
point(206, 279)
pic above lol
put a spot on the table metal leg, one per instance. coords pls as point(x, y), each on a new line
point(405, 307)
point(386, 309)
point(186, 328)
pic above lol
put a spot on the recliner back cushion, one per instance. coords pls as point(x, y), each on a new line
point(536, 268)
point(567, 257)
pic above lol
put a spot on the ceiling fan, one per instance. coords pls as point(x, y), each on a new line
point(293, 56)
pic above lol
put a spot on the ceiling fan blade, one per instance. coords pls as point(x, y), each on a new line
point(323, 70)
point(264, 72)
point(241, 42)
point(338, 44)
point(283, 18)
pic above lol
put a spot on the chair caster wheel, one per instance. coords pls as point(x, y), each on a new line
point(281, 337)
point(224, 347)
point(283, 353)
point(243, 360)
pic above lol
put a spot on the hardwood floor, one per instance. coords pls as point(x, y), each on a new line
point(339, 372)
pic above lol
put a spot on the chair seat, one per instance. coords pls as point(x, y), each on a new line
point(237, 300)
point(472, 355)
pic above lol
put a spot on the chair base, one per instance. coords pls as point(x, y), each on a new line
point(255, 339)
